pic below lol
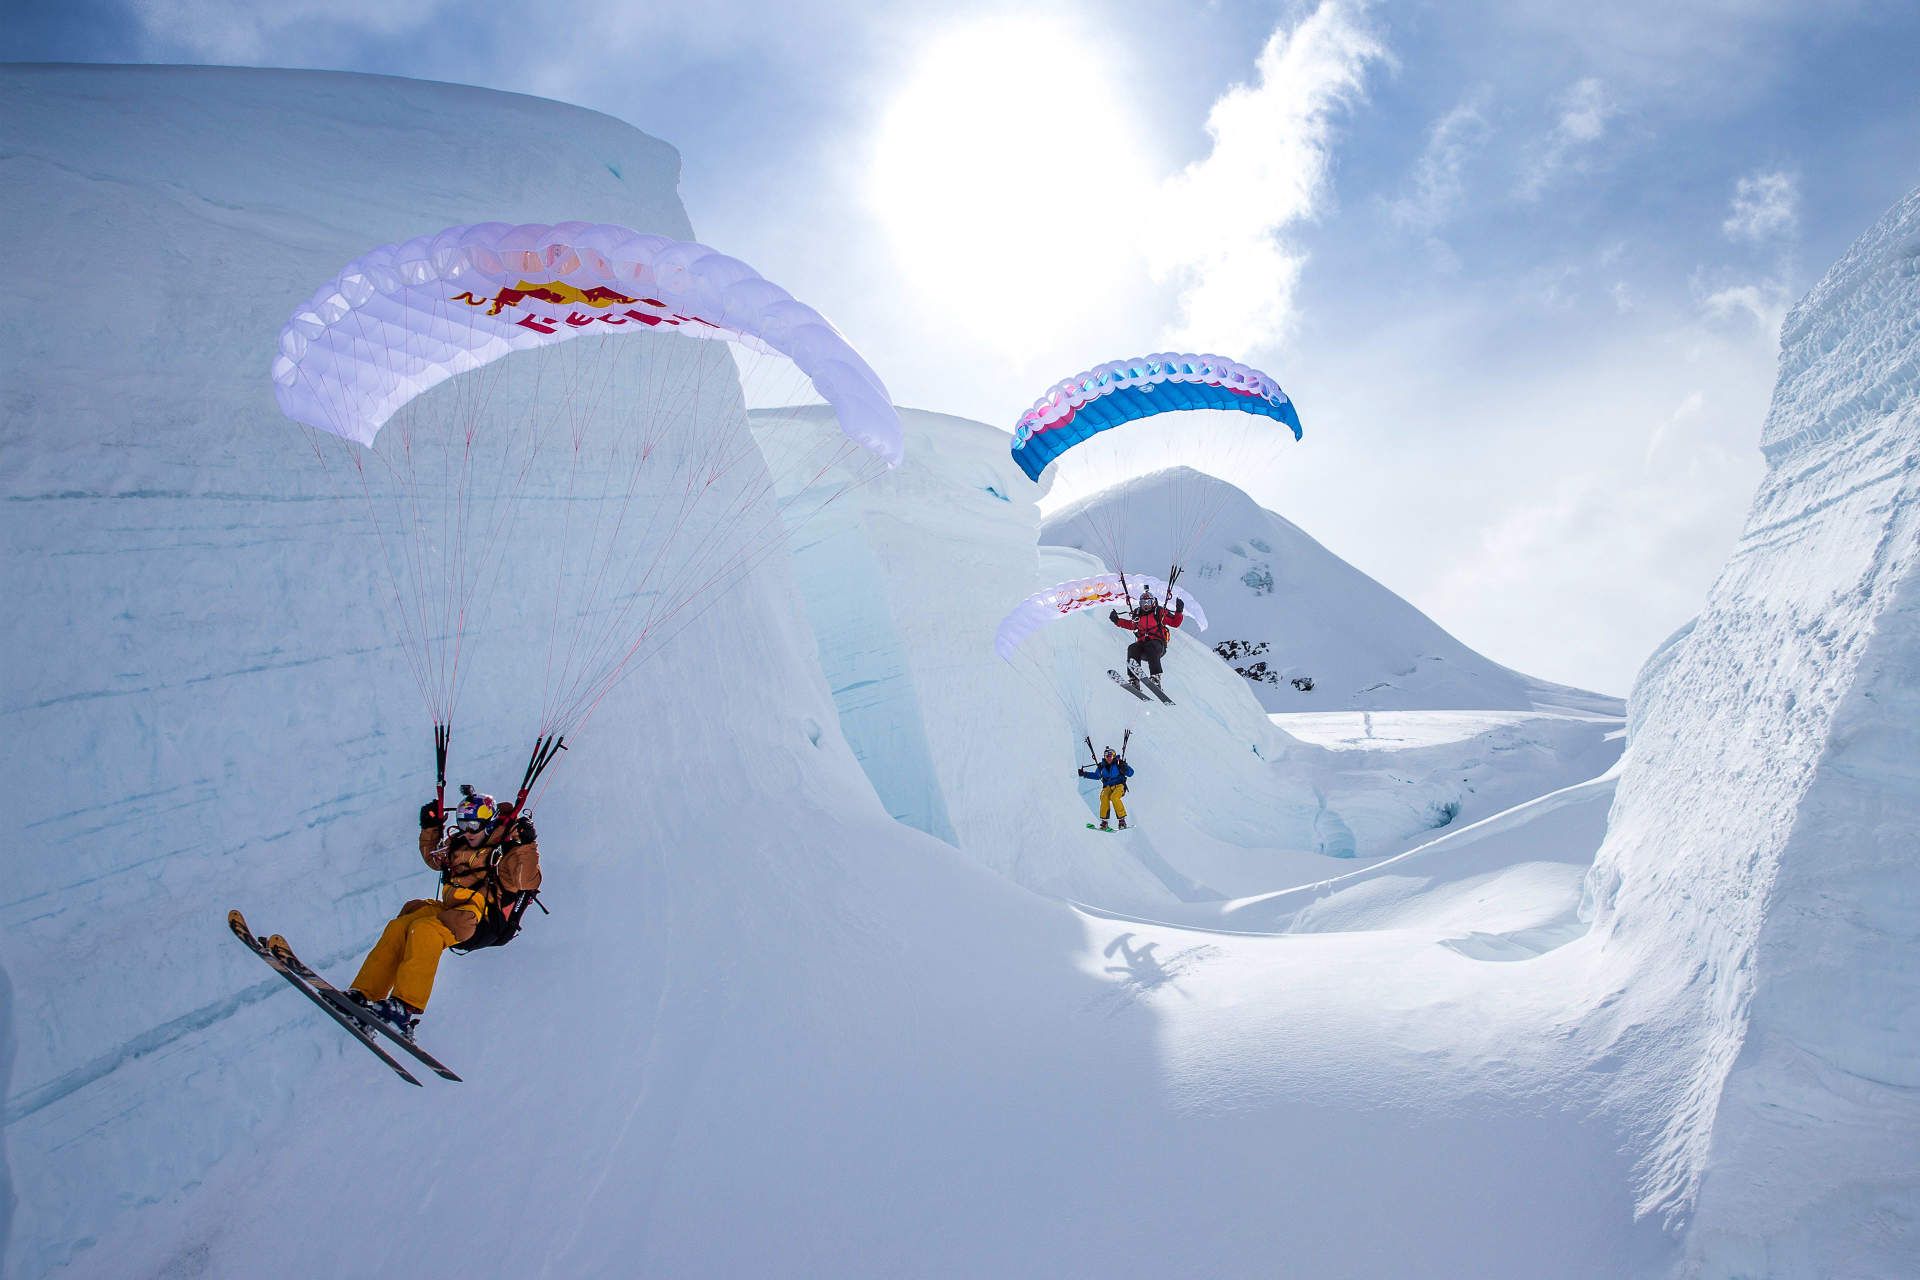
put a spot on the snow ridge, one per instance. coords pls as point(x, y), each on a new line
point(1755, 895)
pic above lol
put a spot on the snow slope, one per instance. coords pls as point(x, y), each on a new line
point(1756, 898)
point(1305, 612)
point(772, 1030)
point(905, 583)
point(767, 1030)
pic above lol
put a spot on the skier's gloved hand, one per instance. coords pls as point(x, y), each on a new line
point(1179, 606)
point(430, 815)
point(1113, 615)
point(523, 832)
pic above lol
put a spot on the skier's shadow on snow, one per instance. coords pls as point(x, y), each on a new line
point(1138, 964)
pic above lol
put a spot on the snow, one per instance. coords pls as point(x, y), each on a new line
point(1755, 915)
point(1428, 979)
point(1304, 611)
point(905, 583)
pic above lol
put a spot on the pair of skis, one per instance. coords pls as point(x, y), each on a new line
point(354, 1020)
point(1132, 685)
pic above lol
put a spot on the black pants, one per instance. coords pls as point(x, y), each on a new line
point(1147, 651)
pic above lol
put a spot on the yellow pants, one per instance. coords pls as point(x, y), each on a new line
point(1110, 800)
point(407, 956)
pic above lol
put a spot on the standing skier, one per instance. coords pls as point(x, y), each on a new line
point(1152, 626)
point(486, 864)
point(1111, 773)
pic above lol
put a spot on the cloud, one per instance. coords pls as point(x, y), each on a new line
point(1687, 410)
point(1224, 216)
point(240, 32)
point(1766, 301)
point(1438, 185)
point(1584, 111)
point(1766, 206)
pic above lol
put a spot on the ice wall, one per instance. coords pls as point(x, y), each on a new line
point(1757, 898)
point(204, 707)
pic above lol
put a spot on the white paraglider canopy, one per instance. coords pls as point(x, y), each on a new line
point(1103, 590)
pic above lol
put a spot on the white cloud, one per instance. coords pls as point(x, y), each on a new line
point(1766, 205)
point(1439, 186)
point(1584, 110)
point(1225, 215)
point(1765, 302)
point(238, 31)
point(1687, 410)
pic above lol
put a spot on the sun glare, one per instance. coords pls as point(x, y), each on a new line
point(1008, 171)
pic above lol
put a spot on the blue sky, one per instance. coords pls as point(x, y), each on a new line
point(1521, 264)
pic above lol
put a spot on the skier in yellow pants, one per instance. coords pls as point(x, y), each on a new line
point(1111, 773)
point(404, 961)
point(483, 855)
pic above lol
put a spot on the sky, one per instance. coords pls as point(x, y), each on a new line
point(1520, 264)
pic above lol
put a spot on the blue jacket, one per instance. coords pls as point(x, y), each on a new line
point(1109, 772)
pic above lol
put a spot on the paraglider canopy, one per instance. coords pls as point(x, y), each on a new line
point(1123, 391)
point(613, 479)
point(1104, 590)
point(406, 317)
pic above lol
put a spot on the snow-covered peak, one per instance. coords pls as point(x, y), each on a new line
point(1284, 608)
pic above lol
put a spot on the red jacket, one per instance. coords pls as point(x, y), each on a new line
point(1155, 624)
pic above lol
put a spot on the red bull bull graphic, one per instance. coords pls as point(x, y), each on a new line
point(558, 293)
point(1098, 593)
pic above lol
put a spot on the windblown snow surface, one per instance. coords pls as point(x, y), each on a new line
point(800, 1009)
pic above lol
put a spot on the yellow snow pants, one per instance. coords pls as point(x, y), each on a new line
point(407, 956)
point(1109, 801)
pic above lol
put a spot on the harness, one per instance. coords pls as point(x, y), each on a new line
point(501, 912)
point(1153, 626)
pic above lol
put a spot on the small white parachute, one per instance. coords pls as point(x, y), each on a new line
point(1103, 590)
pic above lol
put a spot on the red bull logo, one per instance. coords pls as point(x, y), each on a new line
point(1100, 593)
point(558, 293)
point(555, 293)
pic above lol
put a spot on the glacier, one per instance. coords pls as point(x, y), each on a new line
point(1441, 970)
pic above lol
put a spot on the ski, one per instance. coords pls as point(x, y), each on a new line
point(1153, 683)
point(337, 1000)
point(238, 923)
point(1131, 686)
point(1094, 826)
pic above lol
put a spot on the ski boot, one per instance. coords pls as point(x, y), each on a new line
point(1104, 826)
point(1123, 824)
point(394, 1012)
